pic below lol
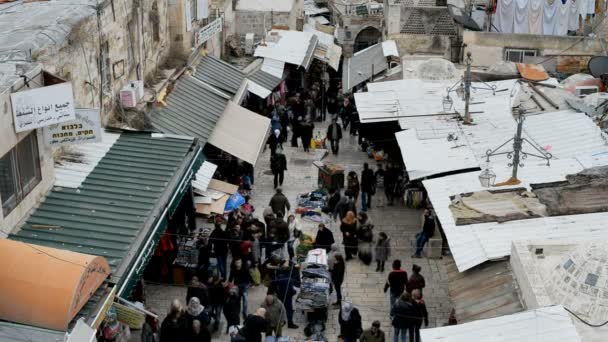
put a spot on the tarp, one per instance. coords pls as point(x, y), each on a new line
point(240, 132)
point(234, 202)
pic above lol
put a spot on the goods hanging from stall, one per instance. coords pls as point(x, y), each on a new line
point(316, 281)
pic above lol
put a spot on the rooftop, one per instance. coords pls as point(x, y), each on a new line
point(265, 5)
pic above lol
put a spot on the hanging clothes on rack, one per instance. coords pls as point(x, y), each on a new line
point(535, 16)
point(590, 7)
point(505, 14)
point(574, 15)
point(521, 23)
point(562, 17)
point(549, 17)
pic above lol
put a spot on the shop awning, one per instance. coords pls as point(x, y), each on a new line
point(203, 176)
point(46, 287)
point(240, 132)
point(120, 210)
point(362, 66)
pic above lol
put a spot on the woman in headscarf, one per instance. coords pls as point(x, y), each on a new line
point(350, 322)
point(348, 227)
point(196, 312)
point(274, 141)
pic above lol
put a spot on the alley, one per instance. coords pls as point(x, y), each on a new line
point(363, 286)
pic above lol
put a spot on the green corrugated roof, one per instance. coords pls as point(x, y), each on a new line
point(105, 215)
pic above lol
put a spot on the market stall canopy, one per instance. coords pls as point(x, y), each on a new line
point(291, 47)
point(46, 287)
point(240, 132)
point(326, 50)
point(362, 66)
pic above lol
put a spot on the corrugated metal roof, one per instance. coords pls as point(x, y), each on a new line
point(77, 161)
point(291, 47)
point(264, 79)
point(114, 205)
point(203, 176)
point(273, 67)
point(219, 74)
point(358, 68)
point(379, 106)
point(548, 324)
point(486, 291)
point(447, 156)
point(12, 332)
point(193, 108)
point(472, 245)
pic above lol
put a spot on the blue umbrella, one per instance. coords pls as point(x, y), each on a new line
point(234, 202)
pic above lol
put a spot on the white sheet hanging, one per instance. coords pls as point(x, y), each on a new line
point(535, 16)
point(590, 6)
point(549, 17)
point(521, 24)
point(562, 18)
point(574, 15)
point(505, 15)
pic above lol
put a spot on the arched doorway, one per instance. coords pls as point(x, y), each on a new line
point(367, 37)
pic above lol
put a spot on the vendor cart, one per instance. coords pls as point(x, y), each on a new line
point(331, 176)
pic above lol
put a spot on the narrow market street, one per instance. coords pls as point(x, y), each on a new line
point(363, 286)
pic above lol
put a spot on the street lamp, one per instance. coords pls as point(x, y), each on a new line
point(447, 103)
point(487, 178)
point(517, 155)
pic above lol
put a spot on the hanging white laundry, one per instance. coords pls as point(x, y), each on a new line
point(549, 17)
point(535, 16)
point(505, 13)
point(590, 6)
point(562, 17)
point(521, 24)
point(574, 14)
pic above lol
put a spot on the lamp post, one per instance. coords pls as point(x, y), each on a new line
point(517, 154)
point(467, 90)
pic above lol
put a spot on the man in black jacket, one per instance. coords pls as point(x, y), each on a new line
point(403, 316)
point(278, 166)
point(324, 238)
point(219, 240)
point(368, 187)
point(397, 280)
point(334, 134)
point(428, 230)
point(279, 203)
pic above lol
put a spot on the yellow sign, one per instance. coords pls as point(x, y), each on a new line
point(104, 310)
point(129, 316)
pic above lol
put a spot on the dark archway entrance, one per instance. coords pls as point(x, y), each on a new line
point(367, 37)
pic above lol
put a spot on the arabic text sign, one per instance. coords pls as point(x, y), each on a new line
point(208, 31)
point(42, 106)
point(86, 128)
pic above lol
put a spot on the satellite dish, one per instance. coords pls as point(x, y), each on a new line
point(598, 66)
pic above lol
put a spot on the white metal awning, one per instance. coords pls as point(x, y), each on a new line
point(240, 132)
point(203, 177)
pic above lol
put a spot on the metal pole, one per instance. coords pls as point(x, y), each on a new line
point(517, 142)
point(467, 90)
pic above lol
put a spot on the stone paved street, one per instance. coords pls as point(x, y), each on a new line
point(362, 285)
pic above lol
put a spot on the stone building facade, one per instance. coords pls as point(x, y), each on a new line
point(249, 18)
point(360, 23)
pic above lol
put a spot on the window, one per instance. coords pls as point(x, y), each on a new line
point(19, 172)
point(517, 55)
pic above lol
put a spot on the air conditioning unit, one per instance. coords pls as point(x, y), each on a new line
point(138, 86)
point(582, 91)
point(128, 97)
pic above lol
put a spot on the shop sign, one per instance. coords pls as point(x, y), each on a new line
point(209, 31)
point(85, 128)
point(42, 107)
point(129, 316)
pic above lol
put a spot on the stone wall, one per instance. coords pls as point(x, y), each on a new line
point(8, 140)
point(417, 44)
point(260, 22)
point(351, 26)
point(487, 48)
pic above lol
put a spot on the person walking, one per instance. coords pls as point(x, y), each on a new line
point(239, 276)
point(390, 180)
point(428, 230)
point(276, 316)
point(352, 185)
point(396, 282)
point(348, 227)
point(285, 289)
point(217, 296)
point(422, 314)
point(149, 331)
point(350, 322)
point(337, 276)
point(373, 334)
point(232, 308)
point(174, 327)
point(279, 203)
point(199, 290)
point(274, 141)
point(219, 240)
point(380, 174)
point(278, 166)
point(382, 251)
point(196, 312)
point(416, 281)
point(368, 187)
point(334, 134)
point(255, 325)
point(295, 230)
point(324, 238)
point(307, 129)
point(403, 316)
point(346, 112)
point(198, 333)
